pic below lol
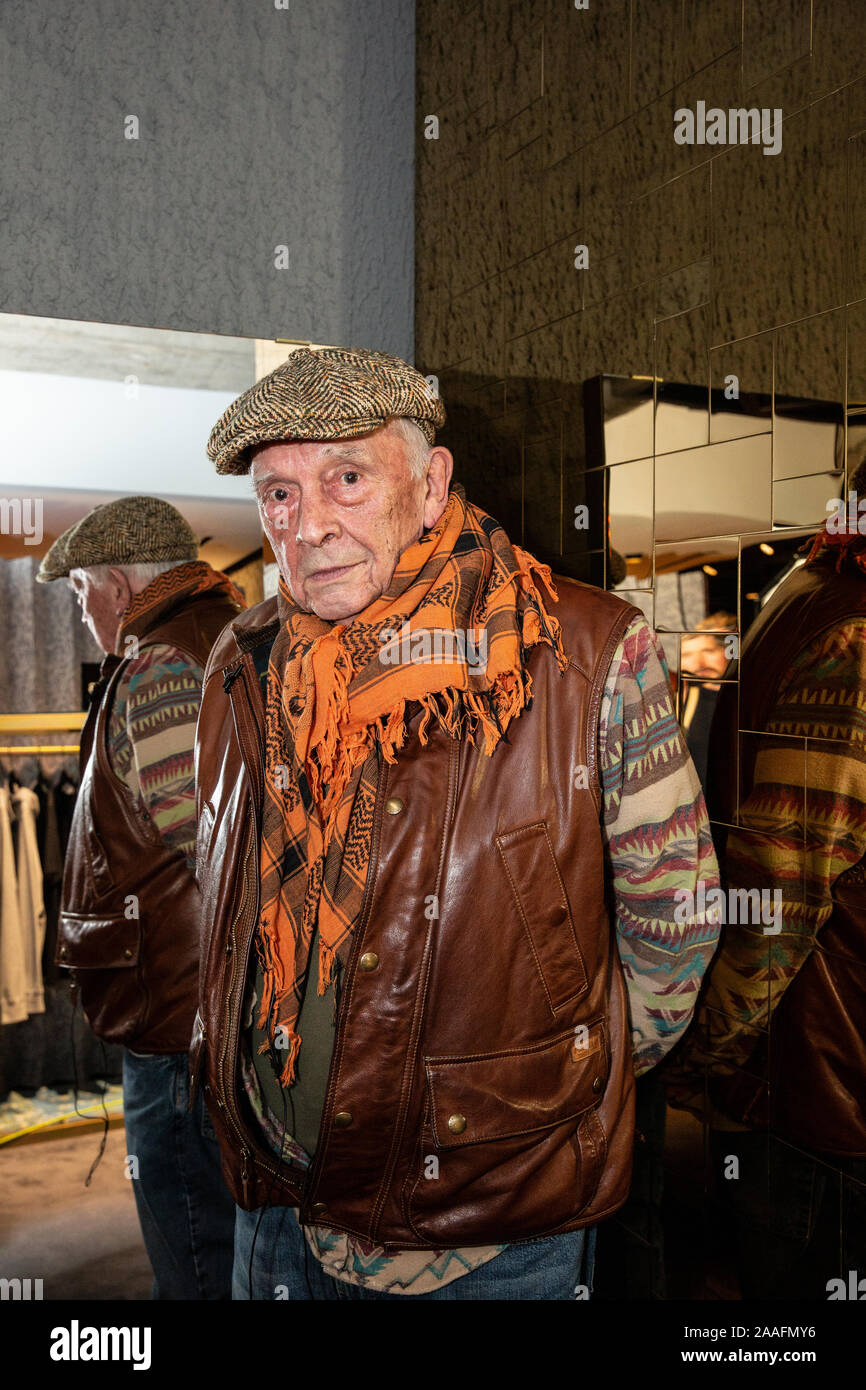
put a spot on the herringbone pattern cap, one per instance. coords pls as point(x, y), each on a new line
point(130, 531)
point(323, 393)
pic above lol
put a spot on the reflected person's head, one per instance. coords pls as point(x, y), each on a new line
point(105, 592)
point(339, 513)
point(703, 655)
point(706, 653)
point(113, 553)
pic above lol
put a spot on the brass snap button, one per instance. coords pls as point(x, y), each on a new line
point(62, 951)
point(127, 954)
point(456, 1123)
point(394, 805)
point(597, 1084)
point(369, 960)
point(342, 1119)
point(318, 1209)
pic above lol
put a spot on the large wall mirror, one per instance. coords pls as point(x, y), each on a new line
point(92, 412)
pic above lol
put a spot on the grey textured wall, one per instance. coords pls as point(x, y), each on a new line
point(258, 127)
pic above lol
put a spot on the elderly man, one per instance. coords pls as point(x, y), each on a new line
point(417, 768)
point(776, 1058)
point(129, 922)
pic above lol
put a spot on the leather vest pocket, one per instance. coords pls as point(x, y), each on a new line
point(105, 953)
point(500, 1124)
point(97, 860)
point(544, 911)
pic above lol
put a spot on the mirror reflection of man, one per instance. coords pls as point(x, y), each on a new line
point(777, 1050)
point(431, 1011)
point(130, 909)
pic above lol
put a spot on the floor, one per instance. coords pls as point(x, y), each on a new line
point(82, 1242)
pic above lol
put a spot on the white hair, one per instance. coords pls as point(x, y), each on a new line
point(416, 441)
point(139, 576)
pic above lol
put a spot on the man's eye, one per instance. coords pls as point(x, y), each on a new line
point(349, 477)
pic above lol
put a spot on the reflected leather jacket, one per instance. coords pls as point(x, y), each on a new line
point(494, 1036)
point(129, 919)
point(814, 1056)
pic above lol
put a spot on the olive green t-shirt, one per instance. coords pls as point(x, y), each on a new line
point(302, 1103)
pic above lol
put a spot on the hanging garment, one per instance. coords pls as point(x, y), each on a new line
point(13, 968)
point(31, 908)
point(51, 857)
point(65, 791)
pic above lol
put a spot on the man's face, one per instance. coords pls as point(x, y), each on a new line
point(703, 655)
point(340, 513)
point(102, 601)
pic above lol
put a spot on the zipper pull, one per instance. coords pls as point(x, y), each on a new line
point(245, 1154)
point(231, 676)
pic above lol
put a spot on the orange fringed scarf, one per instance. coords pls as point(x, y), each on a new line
point(339, 696)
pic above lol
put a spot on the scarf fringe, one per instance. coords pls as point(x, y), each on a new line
point(315, 729)
point(327, 961)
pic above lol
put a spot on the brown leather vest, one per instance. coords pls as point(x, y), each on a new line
point(815, 1057)
point(130, 909)
point(481, 1087)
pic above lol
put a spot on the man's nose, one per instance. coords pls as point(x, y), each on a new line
point(317, 521)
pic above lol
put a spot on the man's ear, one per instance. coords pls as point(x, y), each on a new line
point(121, 588)
point(440, 466)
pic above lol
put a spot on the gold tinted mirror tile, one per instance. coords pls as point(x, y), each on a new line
point(856, 446)
point(765, 561)
point(775, 34)
point(809, 391)
point(630, 516)
point(542, 499)
point(717, 489)
point(708, 31)
point(764, 215)
point(697, 581)
point(857, 216)
point(727, 1036)
point(835, 870)
point(682, 385)
point(856, 372)
point(741, 388)
point(683, 289)
point(655, 26)
point(697, 701)
point(619, 419)
point(804, 501)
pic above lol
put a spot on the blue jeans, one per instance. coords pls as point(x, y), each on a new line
point(185, 1210)
point(798, 1218)
point(549, 1267)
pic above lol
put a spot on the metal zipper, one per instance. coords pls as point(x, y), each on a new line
point(417, 1021)
point(314, 1172)
point(248, 1153)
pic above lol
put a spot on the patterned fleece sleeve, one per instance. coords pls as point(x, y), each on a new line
point(152, 734)
point(659, 844)
point(791, 845)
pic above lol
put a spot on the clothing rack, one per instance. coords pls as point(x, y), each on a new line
point(34, 749)
point(51, 722)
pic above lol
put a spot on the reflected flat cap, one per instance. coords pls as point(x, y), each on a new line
point(130, 531)
point(323, 393)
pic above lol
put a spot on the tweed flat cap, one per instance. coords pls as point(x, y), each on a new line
point(323, 393)
point(130, 531)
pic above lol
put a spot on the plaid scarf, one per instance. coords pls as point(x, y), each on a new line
point(168, 590)
point(339, 696)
